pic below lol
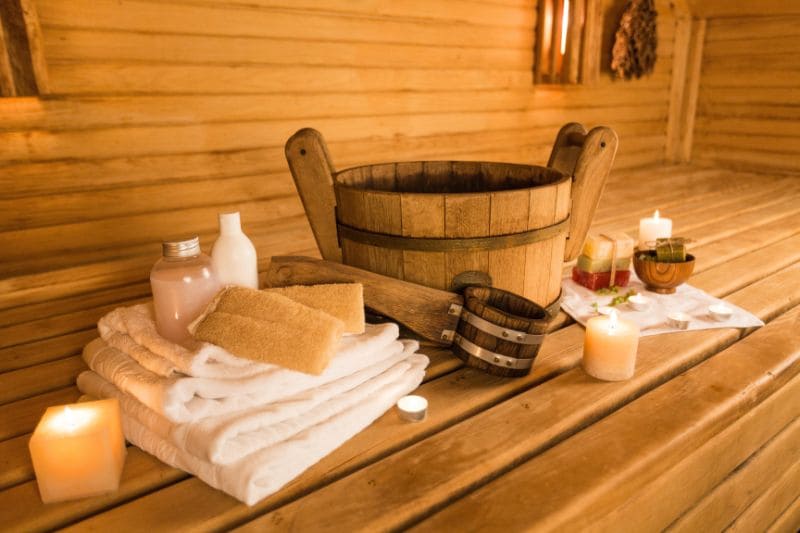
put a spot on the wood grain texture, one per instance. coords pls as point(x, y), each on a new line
point(741, 66)
point(609, 472)
point(158, 109)
point(753, 250)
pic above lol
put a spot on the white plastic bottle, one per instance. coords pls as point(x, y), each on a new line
point(233, 256)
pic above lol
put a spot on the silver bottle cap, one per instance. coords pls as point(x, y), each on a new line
point(188, 247)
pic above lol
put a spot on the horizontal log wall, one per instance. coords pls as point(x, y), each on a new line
point(164, 112)
point(748, 109)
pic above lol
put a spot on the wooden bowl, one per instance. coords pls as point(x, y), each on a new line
point(662, 277)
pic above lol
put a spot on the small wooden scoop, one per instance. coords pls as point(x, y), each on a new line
point(494, 330)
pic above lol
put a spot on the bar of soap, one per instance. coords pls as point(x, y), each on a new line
point(587, 264)
point(600, 280)
point(598, 247)
point(672, 250)
point(345, 301)
point(270, 328)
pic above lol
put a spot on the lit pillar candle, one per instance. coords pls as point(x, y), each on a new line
point(609, 347)
point(78, 450)
point(653, 228)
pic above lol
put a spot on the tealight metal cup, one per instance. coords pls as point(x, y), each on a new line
point(720, 312)
point(412, 408)
point(679, 320)
point(639, 302)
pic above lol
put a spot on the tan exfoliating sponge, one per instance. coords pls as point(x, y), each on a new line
point(271, 328)
point(345, 301)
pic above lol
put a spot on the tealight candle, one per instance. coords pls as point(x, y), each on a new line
point(679, 320)
point(609, 347)
point(412, 408)
point(78, 450)
point(653, 228)
point(639, 302)
point(720, 312)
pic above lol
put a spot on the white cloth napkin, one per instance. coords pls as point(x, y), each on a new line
point(578, 302)
point(288, 450)
point(186, 398)
point(224, 439)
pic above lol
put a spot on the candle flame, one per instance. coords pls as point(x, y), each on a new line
point(612, 320)
point(564, 27)
point(71, 419)
point(655, 215)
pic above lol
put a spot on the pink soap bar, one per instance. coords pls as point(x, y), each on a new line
point(600, 280)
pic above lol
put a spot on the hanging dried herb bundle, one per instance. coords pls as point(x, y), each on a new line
point(634, 53)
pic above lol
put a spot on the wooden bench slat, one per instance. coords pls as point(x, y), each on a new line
point(38, 352)
point(721, 505)
point(771, 504)
point(455, 397)
point(21, 508)
point(27, 382)
point(21, 416)
point(578, 481)
point(789, 521)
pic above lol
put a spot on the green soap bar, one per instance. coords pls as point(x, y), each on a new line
point(671, 250)
point(587, 264)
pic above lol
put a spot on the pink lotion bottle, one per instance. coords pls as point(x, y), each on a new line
point(233, 254)
point(183, 283)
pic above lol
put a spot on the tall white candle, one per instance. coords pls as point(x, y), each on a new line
point(653, 228)
point(609, 347)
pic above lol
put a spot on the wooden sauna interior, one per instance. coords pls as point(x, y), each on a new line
point(155, 115)
point(123, 122)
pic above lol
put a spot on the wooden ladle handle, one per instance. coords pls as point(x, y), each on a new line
point(588, 158)
point(313, 171)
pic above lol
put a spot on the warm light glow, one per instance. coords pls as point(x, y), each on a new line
point(655, 215)
point(612, 321)
point(564, 27)
point(412, 404)
point(71, 419)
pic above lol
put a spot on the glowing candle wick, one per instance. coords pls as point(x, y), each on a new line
point(655, 215)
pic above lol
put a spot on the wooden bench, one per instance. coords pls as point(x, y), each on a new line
point(704, 437)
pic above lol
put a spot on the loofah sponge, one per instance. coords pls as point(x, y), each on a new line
point(345, 301)
point(271, 328)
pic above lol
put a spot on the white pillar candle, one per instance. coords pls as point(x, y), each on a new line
point(78, 450)
point(653, 228)
point(609, 347)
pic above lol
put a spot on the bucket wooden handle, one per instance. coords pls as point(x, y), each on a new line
point(313, 170)
point(588, 158)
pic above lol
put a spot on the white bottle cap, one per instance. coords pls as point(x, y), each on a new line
point(230, 222)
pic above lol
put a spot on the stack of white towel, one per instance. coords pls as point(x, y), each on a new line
point(245, 427)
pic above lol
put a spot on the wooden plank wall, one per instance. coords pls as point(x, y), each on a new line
point(749, 98)
point(164, 112)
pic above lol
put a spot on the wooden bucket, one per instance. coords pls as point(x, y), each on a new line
point(451, 224)
point(499, 332)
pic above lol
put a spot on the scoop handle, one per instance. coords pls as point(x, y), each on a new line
point(313, 171)
point(588, 158)
point(423, 310)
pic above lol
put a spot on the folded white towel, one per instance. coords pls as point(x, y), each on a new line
point(184, 399)
point(256, 475)
point(225, 439)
